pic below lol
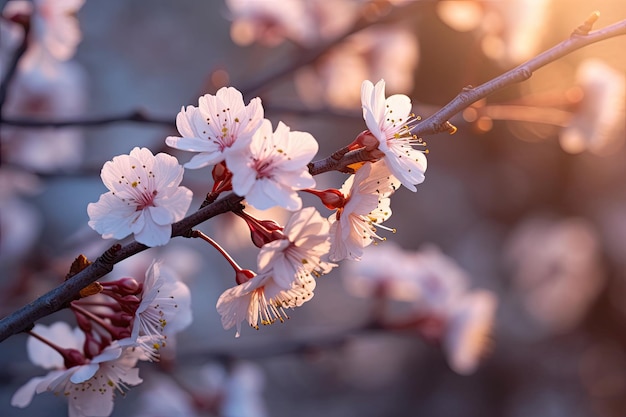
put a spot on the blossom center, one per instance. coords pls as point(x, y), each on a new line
point(263, 168)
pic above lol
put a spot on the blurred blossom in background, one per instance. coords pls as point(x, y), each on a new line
point(501, 292)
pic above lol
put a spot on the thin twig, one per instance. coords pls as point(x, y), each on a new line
point(136, 116)
point(438, 122)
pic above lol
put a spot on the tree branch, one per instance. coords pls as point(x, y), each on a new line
point(438, 122)
point(25, 317)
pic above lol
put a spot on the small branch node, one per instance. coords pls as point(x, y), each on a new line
point(585, 28)
point(210, 198)
point(340, 153)
point(450, 128)
point(190, 233)
point(81, 262)
point(108, 257)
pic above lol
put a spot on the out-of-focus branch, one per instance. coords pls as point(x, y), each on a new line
point(389, 14)
point(581, 36)
point(56, 299)
point(23, 21)
point(137, 116)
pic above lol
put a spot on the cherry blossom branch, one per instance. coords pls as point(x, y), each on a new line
point(438, 122)
point(56, 299)
point(580, 37)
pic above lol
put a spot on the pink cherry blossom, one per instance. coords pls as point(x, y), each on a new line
point(353, 226)
point(300, 253)
point(262, 299)
point(165, 306)
point(212, 128)
point(89, 387)
point(273, 167)
point(144, 198)
point(389, 120)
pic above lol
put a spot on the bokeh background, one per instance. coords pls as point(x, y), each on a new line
point(528, 197)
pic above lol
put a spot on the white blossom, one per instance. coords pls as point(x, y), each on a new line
point(261, 300)
point(353, 226)
point(165, 306)
point(273, 167)
point(89, 387)
point(212, 128)
point(389, 121)
point(294, 258)
point(144, 198)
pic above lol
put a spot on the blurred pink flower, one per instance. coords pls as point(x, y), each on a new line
point(510, 31)
point(382, 271)
point(442, 282)
point(54, 26)
point(233, 392)
point(443, 308)
point(599, 123)
point(468, 328)
point(305, 22)
point(335, 79)
point(556, 269)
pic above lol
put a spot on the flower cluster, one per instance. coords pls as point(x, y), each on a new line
point(124, 322)
point(267, 167)
point(444, 310)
